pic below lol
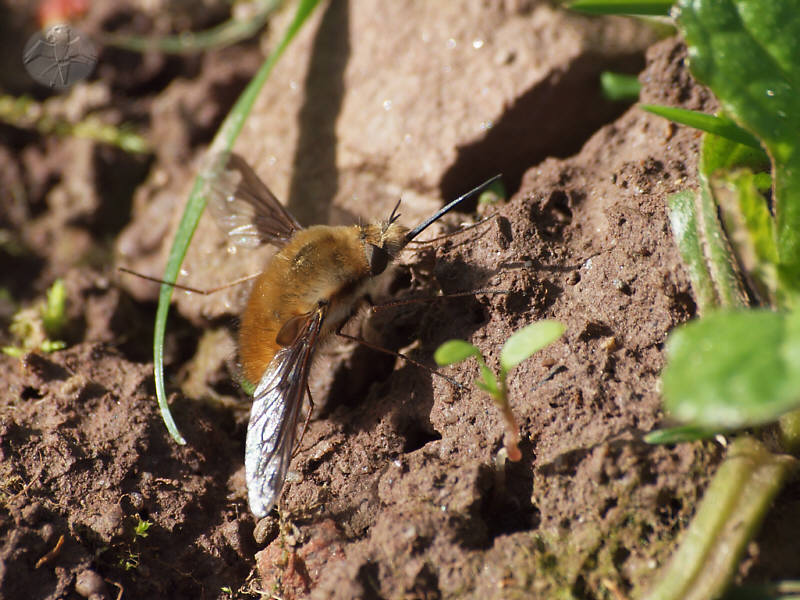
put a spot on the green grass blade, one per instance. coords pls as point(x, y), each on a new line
point(730, 290)
point(684, 221)
point(682, 433)
point(750, 228)
point(618, 86)
point(729, 515)
point(623, 7)
point(224, 140)
point(228, 33)
point(717, 125)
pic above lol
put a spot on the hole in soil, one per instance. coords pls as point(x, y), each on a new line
point(368, 577)
point(30, 393)
point(607, 506)
point(509, 508)
point(417, 435)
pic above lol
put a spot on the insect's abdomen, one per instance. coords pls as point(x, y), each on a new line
point(320, 263)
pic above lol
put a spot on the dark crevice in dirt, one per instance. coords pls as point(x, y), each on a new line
point(118, 175)
point(369, 578)
point(509, 507)
point(521, 138)
point(418, 434)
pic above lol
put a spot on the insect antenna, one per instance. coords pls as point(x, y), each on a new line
point(405, 301)
point(187, 288)
point(408, 359)
point(446, 209)
point(456, 232)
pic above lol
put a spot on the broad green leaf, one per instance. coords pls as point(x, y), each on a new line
point(746, 52)
point(223, 141)
point(454, 351)
point(733, 369)
point(723, 153)
point(729, 515)
point(528, 340)
point(718, 125)
point(657, 8)
point(685, 229)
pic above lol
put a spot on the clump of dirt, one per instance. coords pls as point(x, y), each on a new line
point(398, 488)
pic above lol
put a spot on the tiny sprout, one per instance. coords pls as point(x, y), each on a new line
point(493, 194)
point(141, 528)
point(35, 326)
point(520, 346)
point(54, 309)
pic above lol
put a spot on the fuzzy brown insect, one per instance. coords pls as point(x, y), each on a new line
point(307, 291)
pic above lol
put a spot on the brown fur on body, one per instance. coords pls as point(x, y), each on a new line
point(321, 265)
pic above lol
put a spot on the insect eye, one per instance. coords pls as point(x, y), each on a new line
point(377, 258)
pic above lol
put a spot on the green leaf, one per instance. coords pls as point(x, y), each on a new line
point(676, 435)
point(746, 52)
point(718, 125)
point(729, 515)
point(528, 340)
point(454, 351)
point(225, 34)
point(750, 228)
point(488, 382)
point(618, 86)
point(223, 141)
point(723, 153)
point(721, 261)
point(54, 310)
point(733, 369)
point(685, 229)
point(623, 7)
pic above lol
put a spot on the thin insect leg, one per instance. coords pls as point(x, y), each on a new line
point(305, 423)
point(364, 342)
point(405, 301)
point(456, 232)
point(187, 288)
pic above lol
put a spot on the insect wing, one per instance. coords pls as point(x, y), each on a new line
point(243, 206)
point(273, 418)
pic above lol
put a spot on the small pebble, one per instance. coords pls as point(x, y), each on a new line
point(90, 584)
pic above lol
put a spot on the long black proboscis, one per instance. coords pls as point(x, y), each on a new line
point(445, 209)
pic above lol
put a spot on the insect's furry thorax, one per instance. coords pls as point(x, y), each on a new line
point(320, 265)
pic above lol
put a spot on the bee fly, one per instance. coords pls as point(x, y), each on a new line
point(307, 291)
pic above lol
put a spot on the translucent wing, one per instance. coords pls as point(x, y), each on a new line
point(242, 204)
point(273, 417)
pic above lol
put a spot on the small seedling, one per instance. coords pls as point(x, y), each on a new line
point(34, 327)
point(520, 346)
point(141, 528)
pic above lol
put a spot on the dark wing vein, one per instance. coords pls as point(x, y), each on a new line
point(273, 418)
point(243, 206)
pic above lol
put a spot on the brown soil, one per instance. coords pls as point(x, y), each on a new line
point(396, 491)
